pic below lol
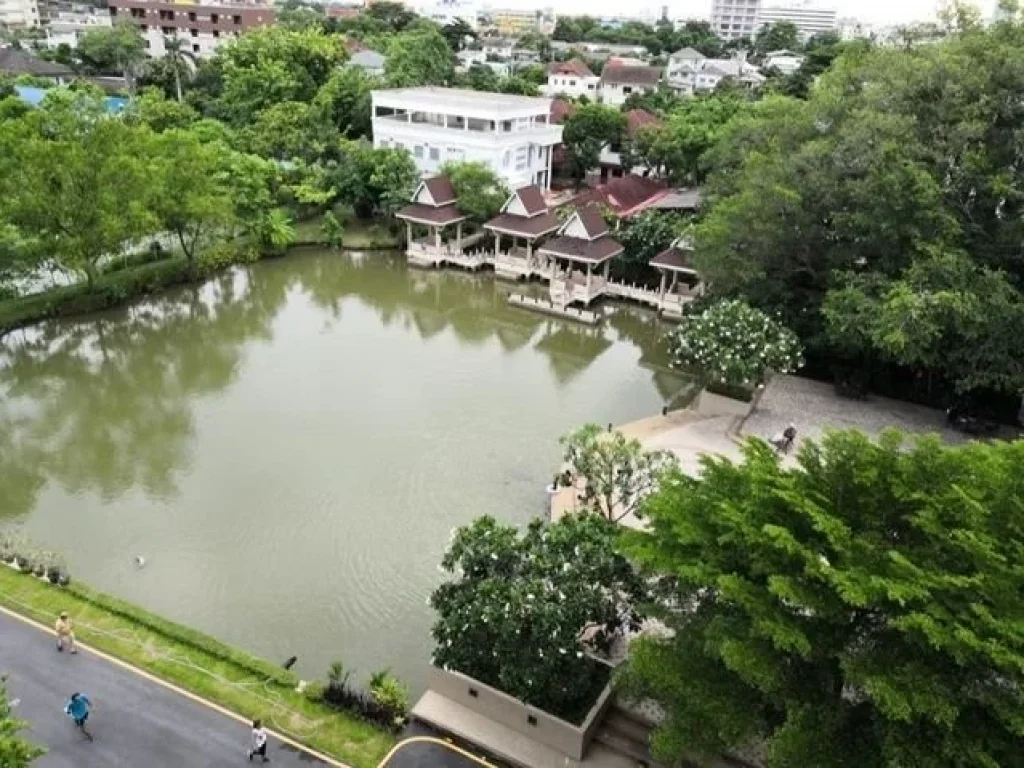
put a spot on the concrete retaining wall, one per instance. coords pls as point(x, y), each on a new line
point(571, 740)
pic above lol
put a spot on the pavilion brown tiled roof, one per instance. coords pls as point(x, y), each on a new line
point(561, 110)
point(674, 258)
point(532, 199)
point(533, 226)
point(591, 251)
point(625, 195)
point(592, 221)
point(441, 190)
point(576, 67)
point(428, 214)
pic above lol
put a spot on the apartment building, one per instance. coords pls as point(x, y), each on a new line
point(513, 23)
point(731, 19)
point(201, 25)
point(511, 134)
point(808, 17)
point(67, 27)
point(19, 14)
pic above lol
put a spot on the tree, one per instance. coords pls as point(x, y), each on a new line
point(780, 36)
point(730, 343)
point(273, 232)
point(333, 230)
point(481, 77)
point(375, 181)
point(644, 237)
point(617, 471)
point(860, 608)
point(456, 33)
point(178, 62)
point(151, 109)
point(418, 57)
point(15, 752)
point(345, 102)
point(586, 131)
point(119, 48)
point(677, 147)
point(480, 191)
point(270, 65)
point(290, 130)
point(394, 16)
point(77, 179)
point(191, 196)
point(520, 605)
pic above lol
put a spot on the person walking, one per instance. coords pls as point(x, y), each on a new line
point(65, 635)
point(77, 709)
point(258, 745)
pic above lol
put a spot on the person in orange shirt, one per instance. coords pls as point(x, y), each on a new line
point(65, 637)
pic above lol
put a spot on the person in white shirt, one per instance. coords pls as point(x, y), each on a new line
point(259, 742)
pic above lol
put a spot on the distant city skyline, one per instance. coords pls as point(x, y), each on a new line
point(874, 12)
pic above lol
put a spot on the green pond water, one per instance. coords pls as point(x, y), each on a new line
point(289, 445)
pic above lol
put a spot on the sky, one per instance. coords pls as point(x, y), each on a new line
point(875, 12)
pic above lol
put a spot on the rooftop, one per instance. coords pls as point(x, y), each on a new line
point(639, 118)
point(576, 67)
point(631, 75)
point(17, 62)
point(368, 59)
point(626, 195)
point(458, 98)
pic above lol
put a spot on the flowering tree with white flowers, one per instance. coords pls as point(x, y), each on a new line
point(525, 606)
point(733, 344)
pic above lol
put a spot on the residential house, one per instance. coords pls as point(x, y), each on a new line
point(617, 83)
point(15, 62)
point(19, 14)
point(785, 62)
point(371, 62)
point(626, 196)
point(611, 159)
point(689, 72)
point(511, 134)
point(572, 78)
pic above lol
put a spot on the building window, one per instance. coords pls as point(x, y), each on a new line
point(418, 151)
point(236, 19)
point(167, 15)
point(216, 33)
point(435, 154)
point(195, 48)
point(522, 158)
point(167, 30)
point(214, 17)
point(627, 89)
point(506, 160)
point(113, 11)
point(194, 32)
point(192, 16)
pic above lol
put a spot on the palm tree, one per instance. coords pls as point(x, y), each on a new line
point(274, 231)
point(178, 60)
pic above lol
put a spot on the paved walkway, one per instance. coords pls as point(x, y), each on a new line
point(135, 722)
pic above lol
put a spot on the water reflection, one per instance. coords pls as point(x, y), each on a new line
point(104, 404)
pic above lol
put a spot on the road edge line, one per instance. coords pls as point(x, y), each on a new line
point(177, 689)
point(433, 740)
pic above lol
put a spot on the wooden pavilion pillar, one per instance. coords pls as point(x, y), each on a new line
point(529, 251)
point(590, 271)
point(458, 237)
point(408, 234)
point(497, 244)
point(607, 269)
point(661, 289)
point(437, 238)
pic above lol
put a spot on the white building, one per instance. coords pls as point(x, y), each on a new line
point(445, 12)
point(808, 17)
point(67, 27)
point(572, 78)
point(735, 18)
point(619, 83)
point(786, 62)
point(511, 134)
point(19, 14)
point(371, 62)
point(689, 72)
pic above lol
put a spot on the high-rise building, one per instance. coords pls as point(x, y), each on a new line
point(808, 17)
point(201, 25)
point(19, 14)
point(734, 18)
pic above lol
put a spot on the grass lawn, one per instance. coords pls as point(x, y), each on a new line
point(250, 686)
point(370, 234)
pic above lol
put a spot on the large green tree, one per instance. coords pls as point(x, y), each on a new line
point(863, 607)
point(345, 101)
point(481, 192)
point(374, 181)
point(899, 159)
point(77, 179)
point(523, 608)
point(119, 48)
point(586, 131)
point(420, 56)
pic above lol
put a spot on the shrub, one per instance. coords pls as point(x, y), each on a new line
point(386, 704)
point(390, 692)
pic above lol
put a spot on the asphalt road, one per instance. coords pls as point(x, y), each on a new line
point(135, 722)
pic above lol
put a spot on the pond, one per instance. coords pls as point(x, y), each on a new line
point(289, 445)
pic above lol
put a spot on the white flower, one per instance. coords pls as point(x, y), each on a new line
point(579, 654)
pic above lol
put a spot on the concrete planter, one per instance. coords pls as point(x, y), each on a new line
point(540, 726)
